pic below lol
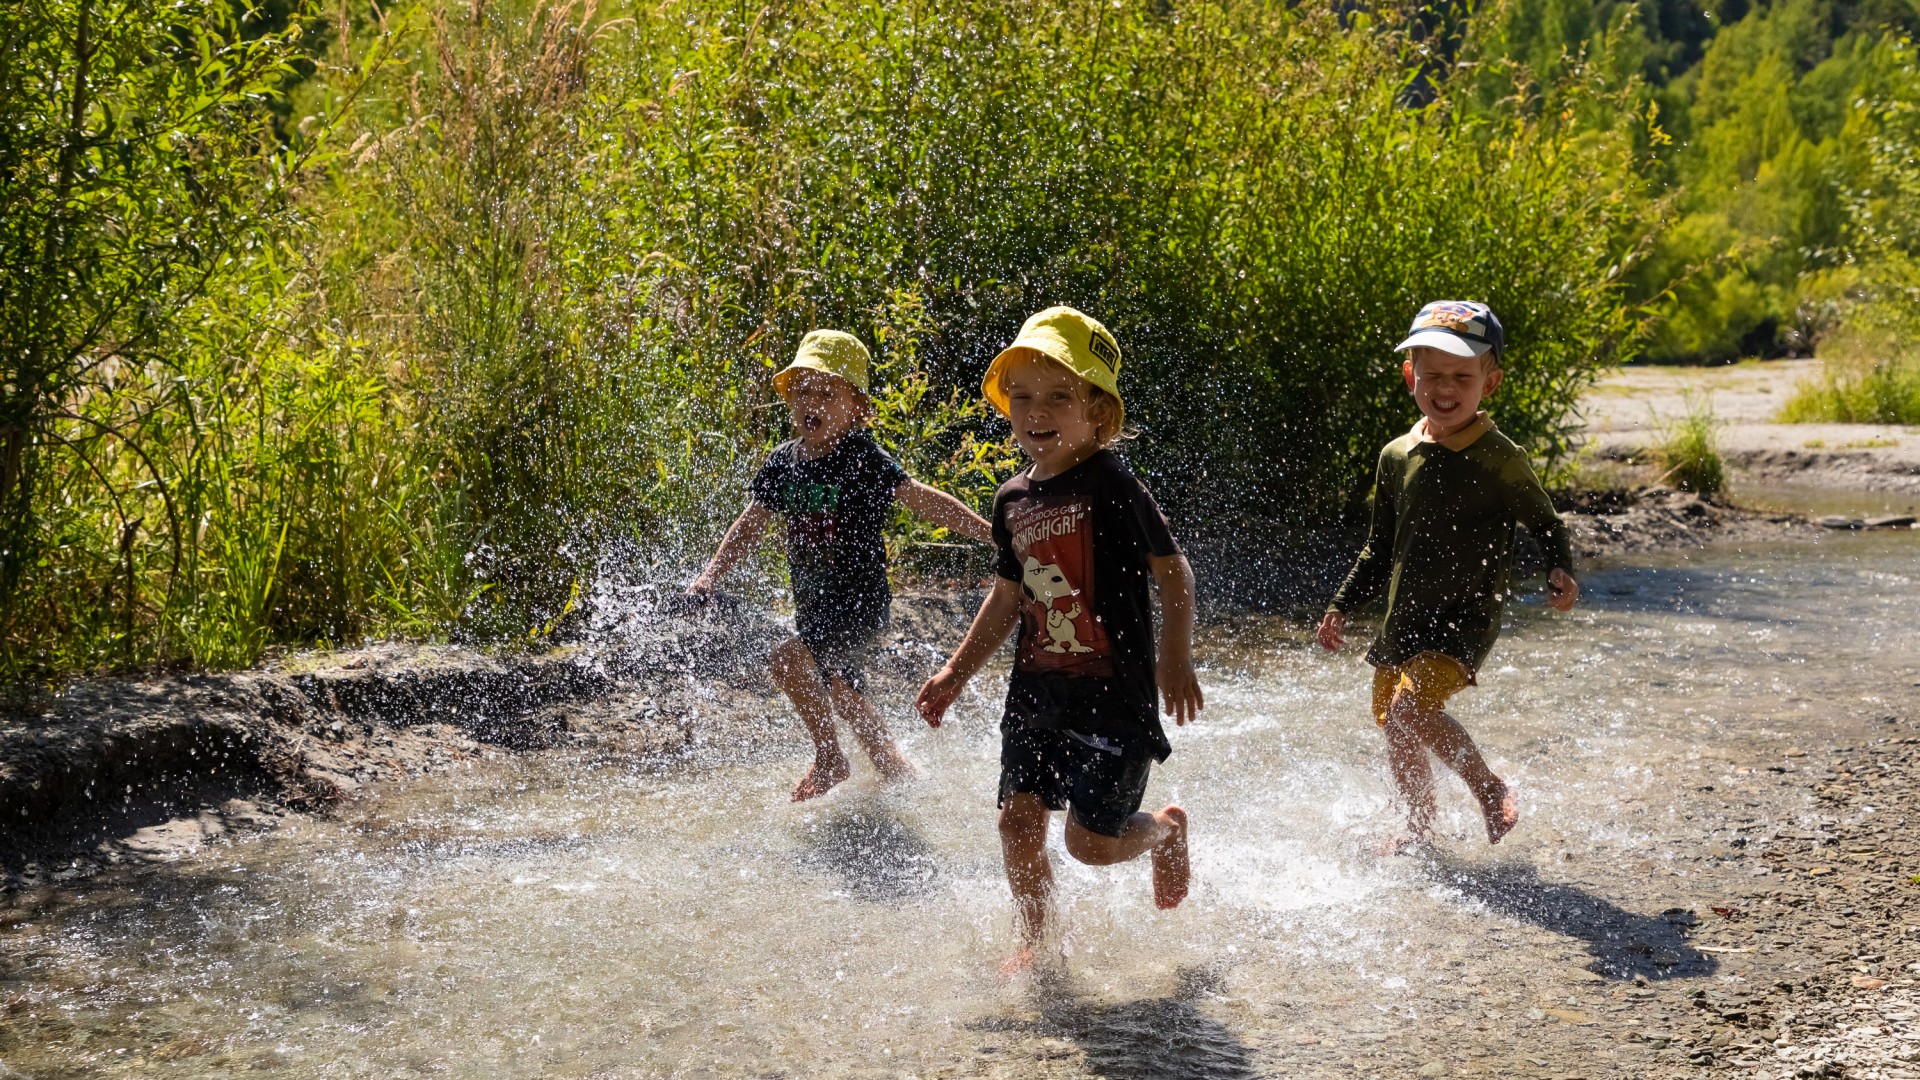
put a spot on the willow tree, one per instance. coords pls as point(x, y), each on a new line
point(137, 156)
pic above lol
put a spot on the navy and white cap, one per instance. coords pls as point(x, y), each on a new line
point(1460, 327)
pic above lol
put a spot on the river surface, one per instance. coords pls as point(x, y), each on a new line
point(575, 916)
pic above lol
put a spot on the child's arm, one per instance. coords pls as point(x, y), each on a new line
point(944, 510)
point(1534, 510)
point(1371, 568)
point(998, 614)
point(743, 537)
point(1179, 687)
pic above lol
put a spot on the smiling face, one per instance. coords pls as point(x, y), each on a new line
point(1056, 419)
point(1447, 388)
point(825, 408)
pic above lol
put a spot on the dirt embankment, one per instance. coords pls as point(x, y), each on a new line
point(127, 771)
point(1622, 521)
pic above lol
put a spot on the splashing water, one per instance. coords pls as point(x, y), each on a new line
point(572, 915)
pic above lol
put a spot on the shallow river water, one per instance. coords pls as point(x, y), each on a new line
point(554, 915)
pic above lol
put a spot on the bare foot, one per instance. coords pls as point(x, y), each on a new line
point(1397, 844)
point(820, 779)
point(1502, 811)
point(1018, 964)
point(896, 768)
point(1171, 870)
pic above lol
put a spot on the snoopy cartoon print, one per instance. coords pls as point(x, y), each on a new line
point(1044, 583)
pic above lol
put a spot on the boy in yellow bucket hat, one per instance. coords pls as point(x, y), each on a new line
point(1077, 536)
point(835, 488)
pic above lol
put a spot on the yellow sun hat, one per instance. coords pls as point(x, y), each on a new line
point(1073, 338)
point(834, 352)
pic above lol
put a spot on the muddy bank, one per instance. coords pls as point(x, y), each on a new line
point(1635, 521)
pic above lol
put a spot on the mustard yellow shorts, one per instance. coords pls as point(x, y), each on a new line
point(1431, 678)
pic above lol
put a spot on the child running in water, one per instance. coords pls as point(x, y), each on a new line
point(836, 488)
point(1077, 537)
point(1446, 497)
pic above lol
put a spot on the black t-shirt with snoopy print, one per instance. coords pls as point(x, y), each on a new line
point(1078, 544)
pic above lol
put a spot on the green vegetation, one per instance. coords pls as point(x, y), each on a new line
point(499, 317)
point(1688, 455)
point(1767, 121)
point(1885, 392)
point(425, 321)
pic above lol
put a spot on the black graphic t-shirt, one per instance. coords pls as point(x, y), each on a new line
point(1078, 544)
point(835, 508)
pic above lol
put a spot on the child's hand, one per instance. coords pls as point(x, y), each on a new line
point(1180, 689)
point(938, 694)
point(701, 586)
point(1562, 591)
point(1333, 631)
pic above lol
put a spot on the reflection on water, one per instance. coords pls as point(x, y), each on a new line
point(549, 915)
point(1820, 499)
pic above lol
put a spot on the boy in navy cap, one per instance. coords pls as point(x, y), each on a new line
point(1446, 497)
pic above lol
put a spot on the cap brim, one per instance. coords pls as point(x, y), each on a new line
point(1444, 340)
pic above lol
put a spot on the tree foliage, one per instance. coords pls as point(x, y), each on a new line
point(506, 331)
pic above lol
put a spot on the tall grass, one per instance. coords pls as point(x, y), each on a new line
point(514, 326)
point(1868, 391)
point(1688, 454)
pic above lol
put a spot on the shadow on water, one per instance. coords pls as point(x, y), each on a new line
point(1622, 943)
point(1164, 1038)
point(874, 854)
point(1751, 595)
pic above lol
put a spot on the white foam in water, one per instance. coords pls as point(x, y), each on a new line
point(545, 915)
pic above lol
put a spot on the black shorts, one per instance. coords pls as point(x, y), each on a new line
point(1101, 779)
point(842, 640)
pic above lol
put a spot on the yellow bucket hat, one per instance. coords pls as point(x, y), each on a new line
point(1073, 338)
point(832, 351)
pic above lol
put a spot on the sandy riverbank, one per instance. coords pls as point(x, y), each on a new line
point(1625, 412)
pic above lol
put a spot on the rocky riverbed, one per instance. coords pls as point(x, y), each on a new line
point(1746, 904)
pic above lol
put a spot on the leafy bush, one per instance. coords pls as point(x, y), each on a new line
point(1863, 392)
point(514, 326)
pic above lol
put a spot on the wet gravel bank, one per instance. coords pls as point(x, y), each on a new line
point(1752, 915)
point(1773, 933)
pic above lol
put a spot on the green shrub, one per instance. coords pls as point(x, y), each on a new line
point(1883, 392)
point(514, 328)
point(1688, 454)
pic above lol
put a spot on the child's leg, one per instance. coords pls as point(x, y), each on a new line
point(1164, 834)
point(1418, 713)
point(1412, 776)
point(795, 674)
point(1452, 745)
point(1023, 848)
point(1406, 757)
point(870, 730)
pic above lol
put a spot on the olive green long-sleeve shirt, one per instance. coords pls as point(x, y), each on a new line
point(1441, 544)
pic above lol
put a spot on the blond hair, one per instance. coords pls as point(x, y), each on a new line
point(1103, 407)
